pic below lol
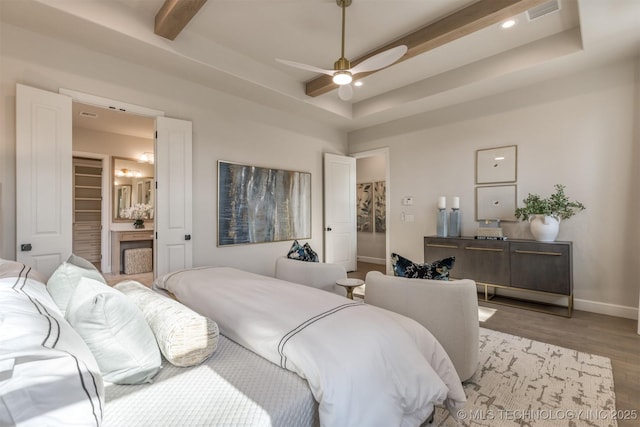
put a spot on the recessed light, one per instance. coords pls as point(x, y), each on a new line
point(508, 24)
point(358, 83)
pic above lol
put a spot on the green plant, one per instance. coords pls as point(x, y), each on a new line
point(557, 205)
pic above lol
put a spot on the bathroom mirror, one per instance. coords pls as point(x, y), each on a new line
point(132, 189)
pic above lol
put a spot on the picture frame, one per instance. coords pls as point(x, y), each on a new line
point(496, 202)
point(380, 206)
point(497, 165)
point(259, 205)
point(364, 207)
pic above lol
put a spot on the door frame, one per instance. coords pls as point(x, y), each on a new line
point(125, 107)
point(385, 153)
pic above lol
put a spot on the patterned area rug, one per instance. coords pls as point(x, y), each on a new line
point(521, 382)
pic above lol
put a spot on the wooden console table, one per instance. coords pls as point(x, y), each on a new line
point(128, 239)
point(527, 266)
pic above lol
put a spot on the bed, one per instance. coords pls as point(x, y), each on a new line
point(364, 365)
point(49, 377)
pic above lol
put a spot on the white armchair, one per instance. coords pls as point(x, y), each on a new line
point(315, 274)
point(448, 309)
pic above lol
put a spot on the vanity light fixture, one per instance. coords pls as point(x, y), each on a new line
point(128, 173)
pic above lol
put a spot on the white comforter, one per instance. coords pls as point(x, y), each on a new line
point(365, 366)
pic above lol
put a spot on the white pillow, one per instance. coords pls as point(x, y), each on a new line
point(64, 280)
point(115, 331)
point(185, 337)
point(48, 376)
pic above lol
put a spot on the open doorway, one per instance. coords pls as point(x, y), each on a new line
point(372, 194)
point(123, 144)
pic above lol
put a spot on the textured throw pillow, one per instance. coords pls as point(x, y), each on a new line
point(185, 338)
point(115, 331)
point(438, 270)
point(64, 280)
point(302, 253)
point(310, 253)
point(48, 376)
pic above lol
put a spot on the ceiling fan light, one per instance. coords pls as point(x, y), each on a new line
point(342, 78)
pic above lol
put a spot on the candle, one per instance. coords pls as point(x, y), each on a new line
point(456, 203)
point(442, 202)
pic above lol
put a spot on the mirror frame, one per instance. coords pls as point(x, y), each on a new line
point(114, 189)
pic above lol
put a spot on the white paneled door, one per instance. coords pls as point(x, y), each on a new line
point(340, 210)
point(173, 249)
point(43, 178)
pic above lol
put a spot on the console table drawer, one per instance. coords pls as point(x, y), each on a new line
point(486, 261)
point(541, 266)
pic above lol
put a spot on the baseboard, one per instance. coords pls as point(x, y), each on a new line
point(604, 308)
point(371, 260)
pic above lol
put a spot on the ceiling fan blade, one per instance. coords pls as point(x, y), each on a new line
point(306, 67)
point(345, 92)
point(381, 60)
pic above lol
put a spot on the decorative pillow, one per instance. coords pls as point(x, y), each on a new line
point(438, 270)
point(48, 376)
point(81, 262)
point(185, 338)
point(311, 254)
point(115, 331)
point(65, 279)
point(302, 253)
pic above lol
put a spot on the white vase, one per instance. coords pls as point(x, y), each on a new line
point(544, 228)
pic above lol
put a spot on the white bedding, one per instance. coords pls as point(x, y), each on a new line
point(365, 366)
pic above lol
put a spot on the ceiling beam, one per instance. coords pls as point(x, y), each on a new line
point(174, 15)
point(472, 18)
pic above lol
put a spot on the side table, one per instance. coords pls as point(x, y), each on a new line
point(349, 284)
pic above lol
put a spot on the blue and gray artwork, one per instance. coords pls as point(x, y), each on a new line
point(257, 205)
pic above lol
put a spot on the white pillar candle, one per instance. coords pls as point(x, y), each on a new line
point(442, 202)
point(456, 203)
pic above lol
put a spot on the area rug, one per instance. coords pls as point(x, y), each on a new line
point(521, 382)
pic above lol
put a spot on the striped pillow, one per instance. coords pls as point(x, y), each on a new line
point(48, 376)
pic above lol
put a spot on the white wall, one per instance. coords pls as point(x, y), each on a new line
point(112, 144)
point(371, 246)
point(580, 131)
point(224, 127)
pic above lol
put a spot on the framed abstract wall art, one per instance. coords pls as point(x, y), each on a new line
point(496, 202)
point(380, 206)
point(364, 208)
point(258, 204)
point(496, 165)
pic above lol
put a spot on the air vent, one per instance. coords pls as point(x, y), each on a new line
point(88, 114)
point(543, 9)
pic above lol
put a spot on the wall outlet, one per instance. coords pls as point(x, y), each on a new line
point(409, 218)
point(407, 201)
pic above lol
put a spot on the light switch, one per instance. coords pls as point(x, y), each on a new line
point(409, 218)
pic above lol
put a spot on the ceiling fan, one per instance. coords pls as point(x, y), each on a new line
point(342, 72)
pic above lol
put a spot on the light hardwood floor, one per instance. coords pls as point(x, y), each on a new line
point(607, 336)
